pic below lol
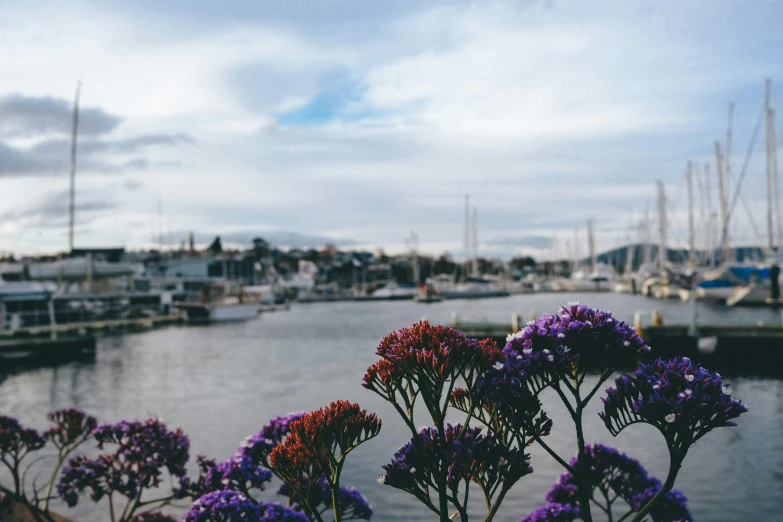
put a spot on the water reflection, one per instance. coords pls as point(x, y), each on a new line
point(223, 382)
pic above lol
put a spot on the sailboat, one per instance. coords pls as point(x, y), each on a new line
point(763, 287)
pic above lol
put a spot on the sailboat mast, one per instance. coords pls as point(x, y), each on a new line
point(474, 266)
point(662, 251)
point(770, 147)
point(774, 169)
point(72, 193)
point(710, 218)
point(723, 194)
point(466, 231)
point(727, 167)
point(691, 231)
point(591, 244)
point(647, 253)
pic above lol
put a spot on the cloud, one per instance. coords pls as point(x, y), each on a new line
point(53, 210)
point(46, 121)
point(351, 120)
point(29, 116)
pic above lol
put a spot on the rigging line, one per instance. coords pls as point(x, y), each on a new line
point(743, 172)
point(756, 232)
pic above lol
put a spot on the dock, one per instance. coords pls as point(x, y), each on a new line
point(47, 351)
point(102, 327)
point(731, 349)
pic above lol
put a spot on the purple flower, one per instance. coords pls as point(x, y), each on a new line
point(16, 441)
point(72, 426)
point(353, 505)
point(231, 506)
point(552, 343)
point(467, 456)
point(144, 449)
point(679, 397)
point(609, 469)
point(238, 473)
point(671, 507)
point(260, 445)
point(553, 513)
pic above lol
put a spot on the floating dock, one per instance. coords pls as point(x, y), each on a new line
point(47, 351)
point(109, 326)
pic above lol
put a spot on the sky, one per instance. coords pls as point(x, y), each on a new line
point(362, 123)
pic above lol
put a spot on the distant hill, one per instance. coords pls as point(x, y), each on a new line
point(617, 256)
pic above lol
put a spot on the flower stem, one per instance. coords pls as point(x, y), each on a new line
point(675, 461)
point(581, 464)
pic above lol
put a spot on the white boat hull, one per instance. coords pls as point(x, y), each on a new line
point(715, 294)
point(752, 295)
point(214, 313)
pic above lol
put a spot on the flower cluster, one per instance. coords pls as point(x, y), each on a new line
point(608, 469)
point(72, 426)
point(17, 441)
point(554, 513)
point(466, 454)
point(682, 399)
point(503, 392)
point(317, 441)
point(578, 336)
point(439, 352)
point(339, 426)
point(238, 473)
point(231, 506)
point(144, 450)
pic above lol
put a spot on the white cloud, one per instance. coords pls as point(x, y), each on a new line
point(546, 113)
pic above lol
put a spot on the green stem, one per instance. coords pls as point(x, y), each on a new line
point(675, 461)
point(581, 464)
point(111, 509)
point(495, 508)
point(50, 485)
point(336, 488)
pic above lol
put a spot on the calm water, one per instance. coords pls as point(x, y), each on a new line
point(221, 383)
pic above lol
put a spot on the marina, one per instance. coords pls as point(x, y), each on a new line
point(468, 245)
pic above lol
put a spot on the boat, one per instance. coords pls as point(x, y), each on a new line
point(427, 294)
point(472, 288)
point(393, 292)
point(80, 269)
point(218, 301)
point(601, 279)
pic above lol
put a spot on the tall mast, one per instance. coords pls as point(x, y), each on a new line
point(691, 234)
point(591, 244)
point(72, 202)
point(774, 169)
point(662, 252)
point(770, 187)
point(727, 166)
point(647, 254)
point(710, 217)
point(475, 268)
point(466, 230)
point(723, 194)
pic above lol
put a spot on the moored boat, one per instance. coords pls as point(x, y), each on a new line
point(218, 301)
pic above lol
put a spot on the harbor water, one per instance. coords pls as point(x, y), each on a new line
point(220, 383)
